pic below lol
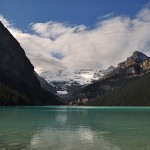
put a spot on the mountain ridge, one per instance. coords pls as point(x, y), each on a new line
point(131, 69)
point(68, 83)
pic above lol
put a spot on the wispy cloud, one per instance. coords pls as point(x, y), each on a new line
point(54, 46)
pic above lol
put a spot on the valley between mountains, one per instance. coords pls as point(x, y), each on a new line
point(128, 84)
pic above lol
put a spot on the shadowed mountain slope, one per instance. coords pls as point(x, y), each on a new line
point(17, 75)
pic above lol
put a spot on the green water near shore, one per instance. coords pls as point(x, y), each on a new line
point(73, 128)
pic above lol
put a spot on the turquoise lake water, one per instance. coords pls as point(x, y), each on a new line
point(74, 128)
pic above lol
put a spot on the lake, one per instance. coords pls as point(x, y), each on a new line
point(74, 128)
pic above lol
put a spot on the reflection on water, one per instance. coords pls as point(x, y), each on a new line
point(85, 128)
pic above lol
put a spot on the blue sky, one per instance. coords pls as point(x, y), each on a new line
point(87, 12)
point(60, 35)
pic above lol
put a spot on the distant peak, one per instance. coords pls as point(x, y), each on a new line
point(139, 56)
point(111, 67)
point(138, 53)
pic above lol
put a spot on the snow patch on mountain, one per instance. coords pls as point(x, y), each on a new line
point(62, 92)
point(66, 81)
point(83, 76)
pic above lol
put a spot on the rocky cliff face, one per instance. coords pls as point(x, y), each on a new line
point(136, 58)
point(145, 65)
point(133, 68)
point(13, 59)
point(17, 72)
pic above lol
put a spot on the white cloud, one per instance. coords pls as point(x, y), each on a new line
point(53, 29)
point(111, 41)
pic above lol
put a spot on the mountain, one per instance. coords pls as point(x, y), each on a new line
point(128, 84)
point(18, 83)
point(136, 58)
point(101, 73)
point(45, 85)
point(68, 83)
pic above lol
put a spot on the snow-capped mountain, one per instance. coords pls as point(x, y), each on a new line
point(99, 73)
point(79, 76)
point(65, 82)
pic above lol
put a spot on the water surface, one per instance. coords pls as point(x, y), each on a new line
point(74, 128)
